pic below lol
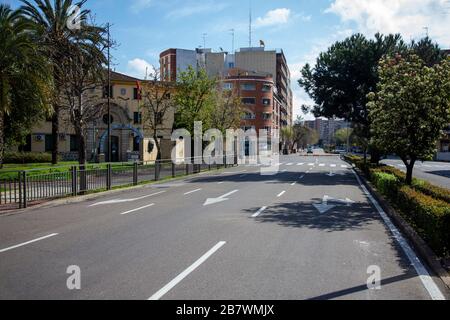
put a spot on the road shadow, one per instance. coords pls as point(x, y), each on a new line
point(348, 291)
point(441, 173)
point(305, 215)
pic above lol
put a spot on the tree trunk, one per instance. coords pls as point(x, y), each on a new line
point(55, 134)
point(375, 156)
point(409, 171)
point(2, 139)
point(81, 147)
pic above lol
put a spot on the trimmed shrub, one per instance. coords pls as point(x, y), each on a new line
point(431, 217)
point(27, 157)
point(432, 190)
point(386, 183)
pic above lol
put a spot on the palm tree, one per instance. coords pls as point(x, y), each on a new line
point(23, 71)
point(52, 26)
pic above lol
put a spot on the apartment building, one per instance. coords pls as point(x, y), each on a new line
point(130, 139)
point(327, 128)
point(257, 62)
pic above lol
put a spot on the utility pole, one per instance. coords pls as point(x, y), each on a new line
point(204, 40)
point(109, 95)
point(250, 26)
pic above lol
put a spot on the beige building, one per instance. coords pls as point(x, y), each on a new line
point(131, 138)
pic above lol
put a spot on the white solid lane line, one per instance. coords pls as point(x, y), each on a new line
point(28, 242)
point(281, 193)
point(259, 212)
point(193, 191)
point(137, 209)
point(125, 200)
point(158, 295)
point(424, 276)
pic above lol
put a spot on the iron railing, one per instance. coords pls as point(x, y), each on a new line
point(22, 188)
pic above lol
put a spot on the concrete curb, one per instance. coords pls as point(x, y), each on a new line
point(420, 246)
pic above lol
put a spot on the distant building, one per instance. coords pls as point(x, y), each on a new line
point(256, 61)
point(327, 128)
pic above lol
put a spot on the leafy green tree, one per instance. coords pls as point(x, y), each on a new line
point(54, 32)
point(228, 110)
point(287, 137)
point(428, 51)
point(410, 108)
point(194, 99)
point(342, 135)
point(344, 75)
point(305, 136)
point(24, 80)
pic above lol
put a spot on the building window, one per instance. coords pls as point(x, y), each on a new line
point(248, 87)
point(48, 143)
point(266, 88)
point(137, 117)
point(248, 100)
point(27, 146)
point(105, 92)
point(266, 116)
point(136, 144)
point(74, 145)
point(136, 94)
point(266, 102)
point(227, 86)
point(248, 116)
point(123, 92)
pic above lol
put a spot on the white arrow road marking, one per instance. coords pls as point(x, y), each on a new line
point(158, 295)
point(28, 242)
point(125, 200)
point(259, 212)
point(137, 209)
point(324, 206)
point(219, 199)
point(193, 191)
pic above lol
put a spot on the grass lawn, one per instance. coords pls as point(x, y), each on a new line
point(10, 170)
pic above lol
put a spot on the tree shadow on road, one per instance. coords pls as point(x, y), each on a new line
point(305, 215)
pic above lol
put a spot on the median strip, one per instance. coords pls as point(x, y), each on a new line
point(158, 295)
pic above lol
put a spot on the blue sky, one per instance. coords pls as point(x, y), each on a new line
point(302, 28)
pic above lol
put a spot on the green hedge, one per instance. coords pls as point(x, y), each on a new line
point(431, 218)
point(425, 206)
point(27, 157)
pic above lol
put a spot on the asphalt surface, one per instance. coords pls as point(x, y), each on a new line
point(308, 232)
point(435, 172)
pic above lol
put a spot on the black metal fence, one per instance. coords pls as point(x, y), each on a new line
point(23, 188)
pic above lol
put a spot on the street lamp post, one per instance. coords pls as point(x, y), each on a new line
point(109, 95)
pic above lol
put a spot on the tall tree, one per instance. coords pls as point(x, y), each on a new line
point(305, 136)
point(157, 106)
point(227, 111)
point(410, 108)
point(194, 99)
point(24, 80)
point(84, 73)
point(287, 137)
point(344, 75)
point(56, 27)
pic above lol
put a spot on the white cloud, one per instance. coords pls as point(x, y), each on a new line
point(138, 68)
point(408, 17)
point(139, 5)
point(274, 18)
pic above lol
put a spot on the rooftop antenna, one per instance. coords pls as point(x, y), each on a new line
point(426, 31)
point(250, 26)
point(204, 40)
point(232, 40)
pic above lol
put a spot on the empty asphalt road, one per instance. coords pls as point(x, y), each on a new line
point(308, 232)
